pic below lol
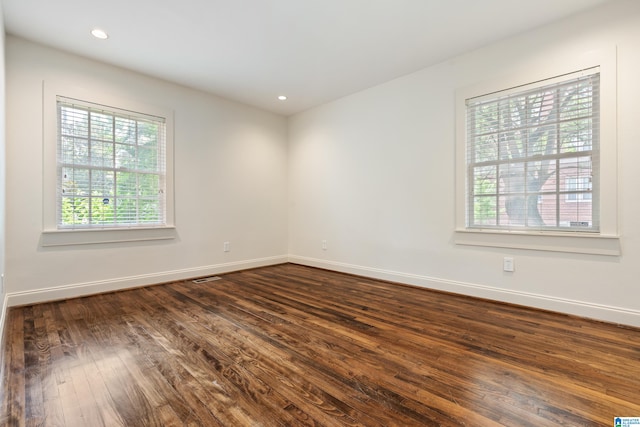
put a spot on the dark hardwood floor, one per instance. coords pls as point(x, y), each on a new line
point(290, 345)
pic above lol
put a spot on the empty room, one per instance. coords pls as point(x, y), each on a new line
point(319, 213)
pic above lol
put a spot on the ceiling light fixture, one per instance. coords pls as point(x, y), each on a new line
point(282, 98)
point(99, 34)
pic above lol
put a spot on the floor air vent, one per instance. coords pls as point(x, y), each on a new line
point(207, 279)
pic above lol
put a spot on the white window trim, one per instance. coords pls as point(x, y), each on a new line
point(52, 235)
point(607, 241)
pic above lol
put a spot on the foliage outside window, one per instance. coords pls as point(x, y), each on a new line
point(111, 167)
point(532, 153)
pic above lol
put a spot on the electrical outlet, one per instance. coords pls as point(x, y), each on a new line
point(508, 264)
point(226, 247)
point(324, 245)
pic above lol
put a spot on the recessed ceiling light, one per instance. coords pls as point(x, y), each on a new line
point(99, 34)
point(282, 98)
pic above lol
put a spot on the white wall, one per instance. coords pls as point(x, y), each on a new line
point(3, 300)
point(373, 174)
point(230, 184)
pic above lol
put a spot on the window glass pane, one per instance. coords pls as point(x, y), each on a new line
point(126, 211)
point(542, 139)
point(511, 145)
point(74, 122)
point(148, 134)
point(74, 150)
point(485, 180)
point(573, 168)
point(485, 143)
point(101, 126)
point(510, 112)
point(576, 136)
point(577, 100)
point(102, 183)
point(126, 184)
point(541, 106)
point(486, 148)
point(75, 210)
point(125, 130)
point(75, 181)
point(125, 156)
point(574, 215)
point(486, 119)
point(102, 154)
point(511, 211)
point(147, 159)
point(547, 207)
point(101, 210)
point(512, 178)
point(149, 211)
point(149, 185)
point(538, 175)
point(484, 210)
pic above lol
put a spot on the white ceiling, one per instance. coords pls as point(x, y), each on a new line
point(251, 51)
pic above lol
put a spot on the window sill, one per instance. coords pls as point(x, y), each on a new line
point(580, 243)
point(105, 235)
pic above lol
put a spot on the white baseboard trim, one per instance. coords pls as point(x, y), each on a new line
point(101, 286)
point(3, 320)
point(618, 315)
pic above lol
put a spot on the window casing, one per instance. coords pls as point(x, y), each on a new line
point(133, 225)
point(601, 235)
point(111, 167)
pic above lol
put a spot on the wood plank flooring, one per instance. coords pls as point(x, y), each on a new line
point(295, 346)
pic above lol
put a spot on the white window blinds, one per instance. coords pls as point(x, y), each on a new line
point(111, 167)
point(533, 156)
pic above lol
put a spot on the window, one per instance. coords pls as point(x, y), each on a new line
point(107, 164)
point(111, 167)
point(531, 151)
point(536, 156)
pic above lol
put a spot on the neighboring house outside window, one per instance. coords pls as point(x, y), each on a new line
point(582, 187)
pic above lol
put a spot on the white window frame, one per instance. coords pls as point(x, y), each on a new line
point(52, 234)
point(604, 242)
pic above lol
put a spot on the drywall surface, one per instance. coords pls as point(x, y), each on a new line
point(230, 183)
point(3, 290)
point(372, 179)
